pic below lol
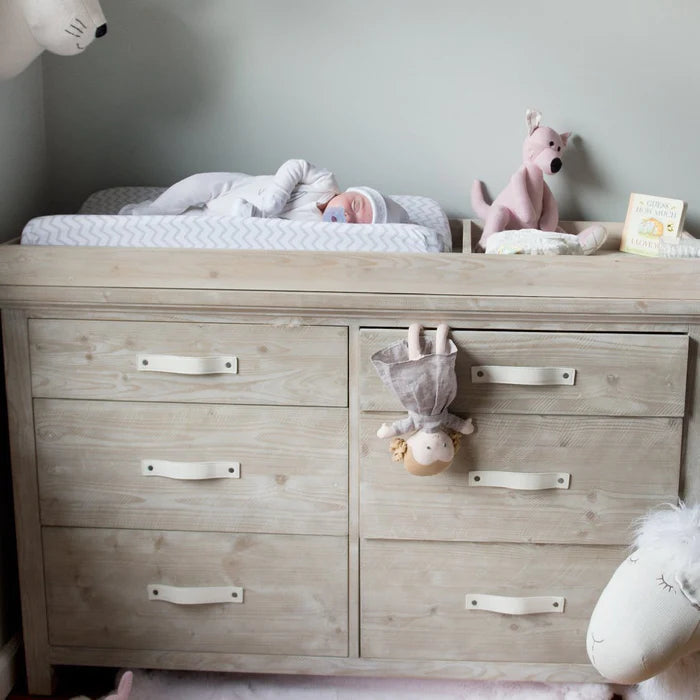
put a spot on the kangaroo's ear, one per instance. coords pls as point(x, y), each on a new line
point(688, 580)
point(533, 119)
point(125, 685)
point(565, 137)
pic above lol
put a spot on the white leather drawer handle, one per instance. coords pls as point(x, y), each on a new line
point(191, 470)
point(532, 376)
point(522, 481)
point(515, 606)
point(195, 595)
point(178, 364)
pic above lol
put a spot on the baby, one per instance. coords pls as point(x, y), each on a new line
point(298, 190)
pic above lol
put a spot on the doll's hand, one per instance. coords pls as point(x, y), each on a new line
point(467, 427)
point(385, 431)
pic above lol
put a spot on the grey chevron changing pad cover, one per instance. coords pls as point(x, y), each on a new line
point(98, 224)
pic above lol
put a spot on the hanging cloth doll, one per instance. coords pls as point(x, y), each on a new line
point(425, 382)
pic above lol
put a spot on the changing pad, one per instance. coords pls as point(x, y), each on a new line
point(98, 224)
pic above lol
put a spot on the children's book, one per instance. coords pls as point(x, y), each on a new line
point(650, 220)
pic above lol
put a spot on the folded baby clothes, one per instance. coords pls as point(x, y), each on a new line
point(535, 242)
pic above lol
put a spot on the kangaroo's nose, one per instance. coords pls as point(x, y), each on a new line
point(556, 165)
point(100, 31)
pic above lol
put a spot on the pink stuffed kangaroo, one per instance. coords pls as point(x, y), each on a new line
point(123, 691)
point(527, 202)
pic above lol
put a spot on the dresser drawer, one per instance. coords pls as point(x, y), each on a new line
point(294, 591)
point(417, 600)
point(617, 468)
point(291, 466)
point(614, 374)
point(143, 361)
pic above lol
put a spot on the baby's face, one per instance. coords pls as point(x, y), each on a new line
point(357, 208)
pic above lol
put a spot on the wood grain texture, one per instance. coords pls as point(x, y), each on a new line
point(353, 494)
point(295, 591)
point(690, 474)
point(293, 466)
point(323, 665)
point(620, 467)
point(399, 307)
point(616, 374)
point(414, 600)
point(26, 493)
point(294, 365)
point(620, 436)
point(616, 275)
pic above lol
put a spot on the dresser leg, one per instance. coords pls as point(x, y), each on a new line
point(41, 679)
point(26, 497)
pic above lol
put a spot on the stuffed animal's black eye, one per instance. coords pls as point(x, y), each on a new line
point(551, 143)
point(427, 447)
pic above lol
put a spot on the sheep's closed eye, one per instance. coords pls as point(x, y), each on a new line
point(665, 584)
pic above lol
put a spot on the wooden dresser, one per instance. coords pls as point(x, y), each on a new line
point(198, 483)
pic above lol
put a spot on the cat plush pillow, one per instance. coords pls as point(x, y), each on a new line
point(29, 27)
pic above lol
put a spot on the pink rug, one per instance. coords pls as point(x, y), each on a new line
point(167, 685)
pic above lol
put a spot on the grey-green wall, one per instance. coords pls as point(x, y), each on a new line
point(23, 161)
point(411, 96)
point(23, 177)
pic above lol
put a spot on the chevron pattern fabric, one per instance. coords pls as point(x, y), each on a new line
point(97, 224)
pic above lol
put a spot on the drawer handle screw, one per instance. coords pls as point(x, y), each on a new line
point(150, 467)
point(234, 595)
point(144, 362)
point(228, 365)
point(556, 605)
point(473, 602)
point(479, 374)
point(155, 591)
point(566, 375)
point(560, 480)
point(477, 478)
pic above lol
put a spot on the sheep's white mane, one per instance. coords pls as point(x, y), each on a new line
point(673, 528)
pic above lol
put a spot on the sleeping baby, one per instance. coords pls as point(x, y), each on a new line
point(298, 190)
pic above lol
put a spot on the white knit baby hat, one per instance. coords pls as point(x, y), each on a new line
point(384, 209)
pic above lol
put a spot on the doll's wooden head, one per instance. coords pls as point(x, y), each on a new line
point(426, 453)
